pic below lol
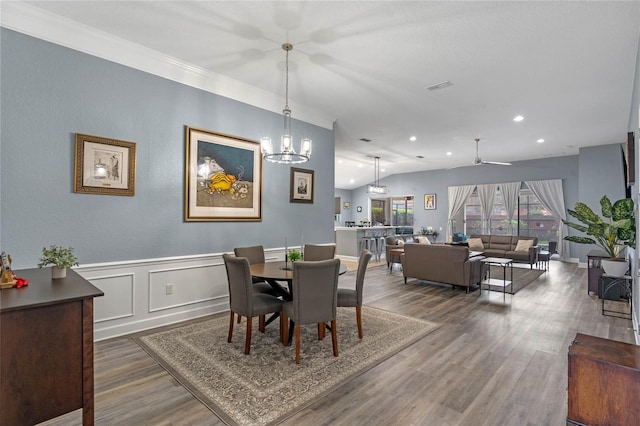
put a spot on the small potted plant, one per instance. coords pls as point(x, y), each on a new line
point(612, 234)
point(294, 255)
point(60, 258)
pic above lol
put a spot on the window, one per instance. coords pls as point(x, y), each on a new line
point(402, 211)
point(378, 212)
point(530, 218)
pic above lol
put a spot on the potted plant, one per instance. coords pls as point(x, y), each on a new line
point(294, 255)
point(612, 232)
point(60, 258)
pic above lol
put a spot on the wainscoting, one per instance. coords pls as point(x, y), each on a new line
point(144, 294)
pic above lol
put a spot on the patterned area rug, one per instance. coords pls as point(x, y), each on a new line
point(267, 386)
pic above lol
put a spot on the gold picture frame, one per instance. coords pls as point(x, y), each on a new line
point(301, 186)
point(223, 177)
point(104, 166)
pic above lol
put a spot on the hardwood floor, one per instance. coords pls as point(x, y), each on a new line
point(491, 363)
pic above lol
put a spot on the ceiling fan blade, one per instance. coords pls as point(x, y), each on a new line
point(496, 163)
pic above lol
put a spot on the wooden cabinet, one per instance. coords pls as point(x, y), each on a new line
point(594, 270)
point(46, 347)
point(604, 382)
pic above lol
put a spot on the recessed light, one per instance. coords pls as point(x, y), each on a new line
point(518, 118)
point(339, 161)
point(383, 170)
point(352, 181)
point(360, 165)
point(413, 138)
point(449, 153)
point(540, 140)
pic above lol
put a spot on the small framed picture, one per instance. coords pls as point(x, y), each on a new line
point(301, 188)
point(347, 205)
point(104, 166)
point(430, 201)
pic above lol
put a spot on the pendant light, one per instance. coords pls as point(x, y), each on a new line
point(376, 188)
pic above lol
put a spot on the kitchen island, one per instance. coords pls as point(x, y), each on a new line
point(348, 239)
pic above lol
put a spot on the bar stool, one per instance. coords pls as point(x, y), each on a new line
point(368, 241)
point(380, 247)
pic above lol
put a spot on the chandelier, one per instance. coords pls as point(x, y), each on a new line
point(287, 154)
point(376, 188)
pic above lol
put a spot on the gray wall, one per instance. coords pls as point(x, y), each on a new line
point(49, 93)
point(634, 126)
point(345, 214)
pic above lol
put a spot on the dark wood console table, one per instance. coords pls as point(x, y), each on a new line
point(46, 347)
point(604, 382)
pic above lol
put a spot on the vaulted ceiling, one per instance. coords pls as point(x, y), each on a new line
point(566, 67)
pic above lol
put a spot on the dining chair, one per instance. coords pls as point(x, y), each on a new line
point(243, 300)
point(315, 294)
point(315, 252)
point(255, 254)
point(353, 298)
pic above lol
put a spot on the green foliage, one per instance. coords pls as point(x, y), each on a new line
point(294, 255)
point(617, 231)
point(59, 256)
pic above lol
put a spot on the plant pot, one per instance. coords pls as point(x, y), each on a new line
point(615, 267)
point(57, 272)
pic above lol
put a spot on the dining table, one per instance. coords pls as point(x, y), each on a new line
point(280, 271)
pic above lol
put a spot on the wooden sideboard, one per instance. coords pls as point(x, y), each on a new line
point(603, 383)
point(46, 347)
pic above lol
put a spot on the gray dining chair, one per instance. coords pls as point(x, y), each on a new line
point(243, 300)
point(315, 252)
point(315, 296)
point(353, 298)
point(255, 254)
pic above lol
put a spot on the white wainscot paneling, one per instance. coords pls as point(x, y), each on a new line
point(118, 299)
point(191, 285)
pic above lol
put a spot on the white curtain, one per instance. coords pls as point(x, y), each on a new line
point(458, 196)
point(510, 192)
point(550, 194)
point(487, 195)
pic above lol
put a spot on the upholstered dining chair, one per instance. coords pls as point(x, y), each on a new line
point(315, 252)
point(255, 254)
point(315, 293)
point(353, 298)
point(243, 300)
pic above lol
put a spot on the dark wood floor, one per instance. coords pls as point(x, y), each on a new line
point(491, 363)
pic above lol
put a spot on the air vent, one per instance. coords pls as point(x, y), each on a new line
point(439, 86)
point(365, 140)
point(419, 156)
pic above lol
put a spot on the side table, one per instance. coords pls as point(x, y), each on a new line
point(498, 261)
point(623, 285)
point(543, 259)
point(394, 257)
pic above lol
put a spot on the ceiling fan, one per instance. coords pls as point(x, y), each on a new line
point(478, 161)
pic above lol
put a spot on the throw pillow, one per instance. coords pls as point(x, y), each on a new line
point(423, 240)
point(400, 243)
point(475, 244)
point(524, 245)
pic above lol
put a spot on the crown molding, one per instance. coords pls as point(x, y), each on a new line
point(38, 23)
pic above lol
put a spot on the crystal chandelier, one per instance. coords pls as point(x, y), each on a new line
point(287, 154)
point(376, 188)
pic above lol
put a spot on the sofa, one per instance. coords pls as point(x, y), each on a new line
point(507, 246)
point(442, 263)
point(397, 242)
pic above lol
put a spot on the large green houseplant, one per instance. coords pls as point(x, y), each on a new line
point(612, 232)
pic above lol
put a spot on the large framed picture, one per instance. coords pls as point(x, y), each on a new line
point(301, 187)
point(104, 166)
point(430, 201)
point(223, 177)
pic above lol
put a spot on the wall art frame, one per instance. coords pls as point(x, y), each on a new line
point(301, 186)
point(104, 166)
point(223, 177)
point(429, 201)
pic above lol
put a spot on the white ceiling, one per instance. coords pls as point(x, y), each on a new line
point(567, 67)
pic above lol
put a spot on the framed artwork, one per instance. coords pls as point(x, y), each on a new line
point(104, 166)
point(430, 201)
point(223, 177)
point(301, 187)
point(347, 205)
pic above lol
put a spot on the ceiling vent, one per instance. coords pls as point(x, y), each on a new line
point(365, 140)
point(442, 85)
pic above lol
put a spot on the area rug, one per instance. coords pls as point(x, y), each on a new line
point(265, 387)
point(522, 277)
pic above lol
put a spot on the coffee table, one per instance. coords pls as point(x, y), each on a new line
point(498, 261)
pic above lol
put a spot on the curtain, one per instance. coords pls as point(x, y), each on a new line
point(458, 196)
point(510, 192)
point(550, 194)
point(487, 195)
